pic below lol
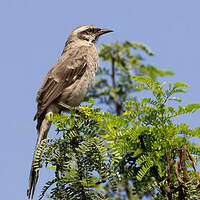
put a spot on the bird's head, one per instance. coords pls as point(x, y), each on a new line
point(88, 33)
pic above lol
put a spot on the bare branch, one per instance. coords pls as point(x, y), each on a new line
point(194, 165)
point(177, 172)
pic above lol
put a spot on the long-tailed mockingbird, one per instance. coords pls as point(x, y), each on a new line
point(67, 83)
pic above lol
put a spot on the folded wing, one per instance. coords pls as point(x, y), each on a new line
point(63, 74)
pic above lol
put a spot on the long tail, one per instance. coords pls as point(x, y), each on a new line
point(43, 127)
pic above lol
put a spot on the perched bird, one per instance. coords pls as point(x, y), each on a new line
point(67, 83)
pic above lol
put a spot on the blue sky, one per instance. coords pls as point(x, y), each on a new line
point(32, 36)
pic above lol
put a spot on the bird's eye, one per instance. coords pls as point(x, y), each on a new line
point(90, 29)
point(93, 30)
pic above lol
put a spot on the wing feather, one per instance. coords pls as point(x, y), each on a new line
point(63, 74)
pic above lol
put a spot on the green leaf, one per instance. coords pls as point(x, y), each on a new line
point(175, 99)
point(180, 84)
point(142, 47)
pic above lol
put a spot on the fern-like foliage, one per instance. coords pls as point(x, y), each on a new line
point(97, 148)
point(147, 129)
point(80, 158)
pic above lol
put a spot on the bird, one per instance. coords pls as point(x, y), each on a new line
point(66, 84)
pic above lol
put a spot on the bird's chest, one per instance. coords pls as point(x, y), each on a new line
point(75, 94)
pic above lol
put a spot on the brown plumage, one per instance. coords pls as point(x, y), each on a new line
point(67, 83)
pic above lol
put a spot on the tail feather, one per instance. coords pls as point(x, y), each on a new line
point(32, 182)
point(43, 128)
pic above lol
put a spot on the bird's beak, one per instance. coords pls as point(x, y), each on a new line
point(103, 31)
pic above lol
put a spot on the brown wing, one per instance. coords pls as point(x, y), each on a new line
point(62, 75)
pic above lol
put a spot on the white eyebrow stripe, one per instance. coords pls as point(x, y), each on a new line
point(83, 28)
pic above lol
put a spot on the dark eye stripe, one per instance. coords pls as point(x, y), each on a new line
point(94, 30)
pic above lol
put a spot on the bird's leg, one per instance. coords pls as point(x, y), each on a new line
point(67, 107)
